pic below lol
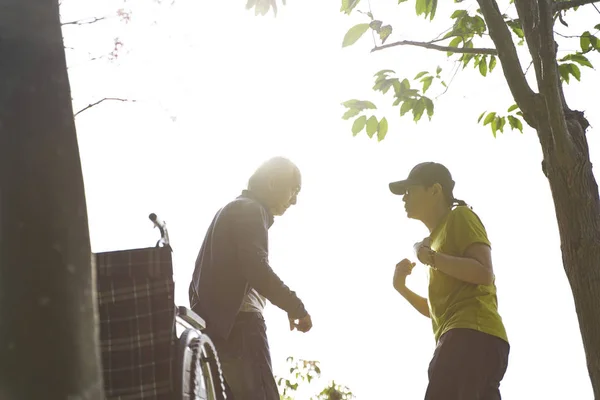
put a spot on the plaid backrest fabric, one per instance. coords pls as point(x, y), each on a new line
point(137, 323)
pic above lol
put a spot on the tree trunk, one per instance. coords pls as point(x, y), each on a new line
point(48, 337)
point(577, 206)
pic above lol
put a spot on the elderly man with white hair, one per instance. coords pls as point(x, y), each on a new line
point(232, 281)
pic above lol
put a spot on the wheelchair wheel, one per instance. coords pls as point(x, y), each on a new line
point(210, 367)
point(199, 371)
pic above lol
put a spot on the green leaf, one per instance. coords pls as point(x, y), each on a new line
point(459, 14)
point(406, 107)
point(563, 69)
point(515, 123)
point(597, 27)
point(428, 107)
point(595, 42)
point(432, 8)
point(466, 58)
point(483, 66)
point(353, 112)
point(500, 124)
point(454, 42)
point(359, 124)
point(490, 117)
point(421, 7)
point(515, 26)
point(575, 71)
point(578, 58)
point(420, 74)
point(404, 89)
point(348, 6)
point(426, 82)
point(385, 72)
point(382, 129)
point(481, 116)
point(492, 63)
point(438, 70)
point(375, 25)
point(418, 110)
point(494, 126)
point(385, 32)
point(387, 84)
point(354, 34)
point(359, 104)
point(513, 108)
point(371, 126)
point(585, 41)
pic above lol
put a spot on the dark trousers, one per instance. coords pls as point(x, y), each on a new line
point(467, 365)
point(246, 360)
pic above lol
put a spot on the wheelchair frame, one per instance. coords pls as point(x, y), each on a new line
point(151, 348)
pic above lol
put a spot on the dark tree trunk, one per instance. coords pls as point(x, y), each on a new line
point(577, 206)
point(48, 338)
point(566, 161)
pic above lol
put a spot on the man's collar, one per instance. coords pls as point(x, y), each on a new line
point(250, 195)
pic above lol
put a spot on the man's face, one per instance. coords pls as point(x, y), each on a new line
point(284, 192)
point(417, 201)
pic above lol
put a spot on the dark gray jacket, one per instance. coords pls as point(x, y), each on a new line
point(233, 259)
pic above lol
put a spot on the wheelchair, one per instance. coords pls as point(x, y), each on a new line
point(151, 349)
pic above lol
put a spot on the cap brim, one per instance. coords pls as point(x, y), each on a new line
point(399, 187)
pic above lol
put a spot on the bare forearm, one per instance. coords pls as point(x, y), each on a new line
point(465, 269)
point(418, 302)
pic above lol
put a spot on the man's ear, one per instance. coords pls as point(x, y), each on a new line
point(437, 188)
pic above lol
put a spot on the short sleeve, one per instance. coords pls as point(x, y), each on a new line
point(466, 229)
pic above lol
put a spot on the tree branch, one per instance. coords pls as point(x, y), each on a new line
point(85, 21)
point(100, 101)
point(507, 53)
point(550, 86)
point(431, 46)
point(529, 18)
point(565, 5)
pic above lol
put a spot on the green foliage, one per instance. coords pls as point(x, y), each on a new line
point(262, 7)
point(348, 6)
point(303, 372)
point(354, 34)
point(498, 122)
point(427, 8)
point(468, 28)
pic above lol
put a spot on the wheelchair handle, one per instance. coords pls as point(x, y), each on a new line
point(164, 233)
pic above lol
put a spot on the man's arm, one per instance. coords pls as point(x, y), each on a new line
point(250, 233)
point(418, 302)
point(475, 267)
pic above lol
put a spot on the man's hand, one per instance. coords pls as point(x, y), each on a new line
point(403, 269)
point(420, 248)
point(303, 324)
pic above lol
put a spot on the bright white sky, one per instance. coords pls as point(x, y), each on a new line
point(219, 91)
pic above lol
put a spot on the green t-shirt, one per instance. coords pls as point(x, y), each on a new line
point(454, 303)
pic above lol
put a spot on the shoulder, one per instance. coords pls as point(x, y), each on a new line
point(244, 208)
point(463, 218)
point(462, 213)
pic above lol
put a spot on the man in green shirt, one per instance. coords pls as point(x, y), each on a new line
point(472, 350)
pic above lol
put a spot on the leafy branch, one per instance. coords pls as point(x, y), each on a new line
point(565, 5)
point(431, 46)
point(304, 372)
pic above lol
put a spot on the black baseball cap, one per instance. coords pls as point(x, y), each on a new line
point(426, 174)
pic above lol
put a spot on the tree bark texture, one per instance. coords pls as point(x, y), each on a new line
point(48, 331)
point(566, 162)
